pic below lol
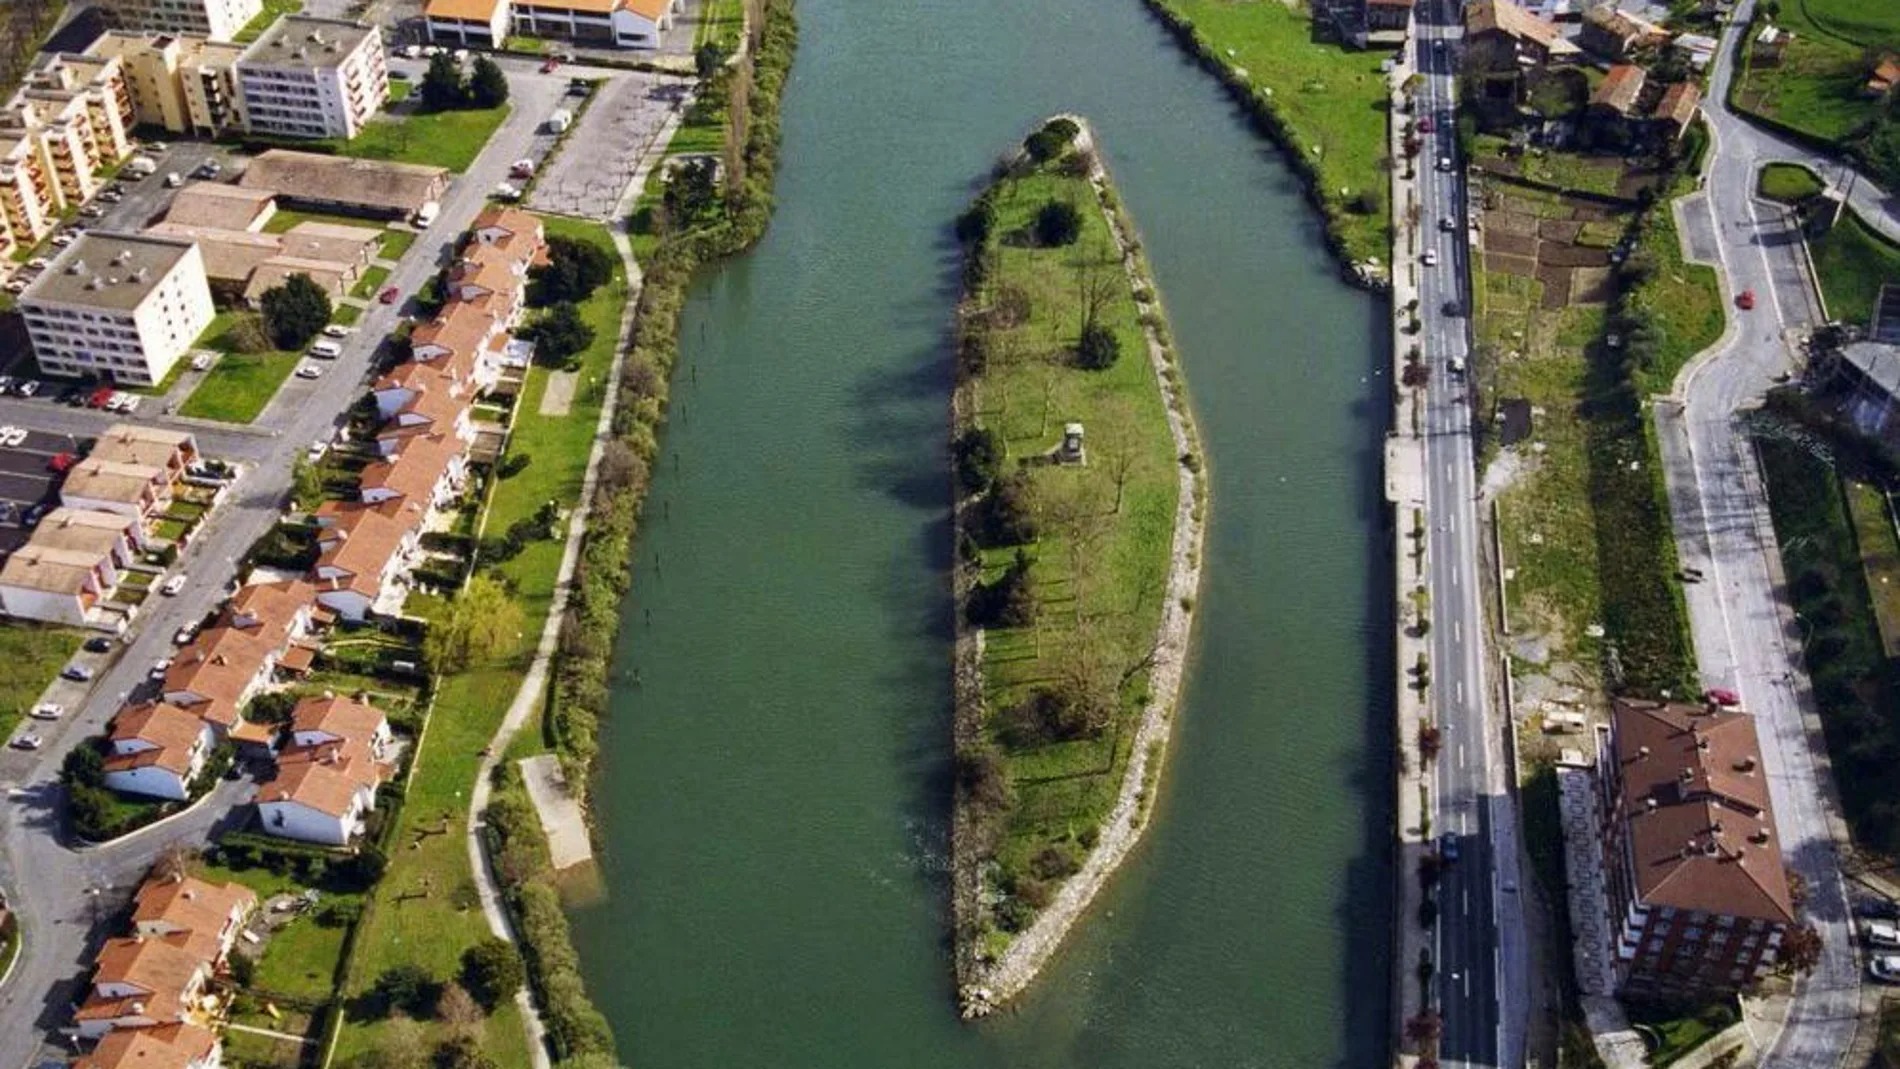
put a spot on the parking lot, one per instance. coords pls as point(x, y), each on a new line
point(591, 170)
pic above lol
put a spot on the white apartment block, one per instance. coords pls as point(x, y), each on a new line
point(309, 77)
point(219, 20)
point(118, 306)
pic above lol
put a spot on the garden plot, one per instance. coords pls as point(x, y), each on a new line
point(1529, 241)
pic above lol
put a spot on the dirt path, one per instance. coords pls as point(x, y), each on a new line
point(1010, 974)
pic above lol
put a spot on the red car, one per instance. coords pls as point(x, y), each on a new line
point(1425, 125)
point(1722, 696)
point(390, 295)
point(1745, 300)
point(99, 397)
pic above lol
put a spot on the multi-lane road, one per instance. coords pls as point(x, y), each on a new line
point(1481, 953)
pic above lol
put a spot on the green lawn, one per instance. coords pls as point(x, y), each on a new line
point(345, 314)
point(1852, 262)
point(399, 90)
point(31, 654)
point(449, 139)
point(369, 282)
point(239, 385)
point(1333, 100)
point(301, 958)
point(1568, 170)
point(273, 10)
point(1789, 183)
point(1674, 1030)
point(1880, 556)
point(1684, 298)
point(1099, 565)
point(1816, 88)
point(721, 22)
point(284, 218)
point(434, 930)
point(396, 243)
point(1872, 23)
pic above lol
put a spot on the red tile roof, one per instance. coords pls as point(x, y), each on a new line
point(165, 1046)
point(171, 732)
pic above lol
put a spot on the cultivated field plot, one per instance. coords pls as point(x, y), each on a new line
point(1563, 244)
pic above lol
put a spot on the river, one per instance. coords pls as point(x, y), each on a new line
point(773, 791)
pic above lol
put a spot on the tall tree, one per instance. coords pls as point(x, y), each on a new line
point(442, 85)
point(487, 85)
point(482, 623)
point(294, 312)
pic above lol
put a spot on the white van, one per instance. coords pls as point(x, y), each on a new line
point(140, 166)
point(326, 350)
point(427, 213)
point(174, 180)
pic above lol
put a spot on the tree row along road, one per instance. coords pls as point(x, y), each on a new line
point(61, 890)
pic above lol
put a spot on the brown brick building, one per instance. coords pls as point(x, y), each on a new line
point(1693, 873)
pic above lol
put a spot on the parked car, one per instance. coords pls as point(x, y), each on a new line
point(1722, 696)
point(1448, 224)
point(1448, 846)
point(1882, 908)
point(92, 211)
point(1430, 258)
point(202, 362)
point(27, 388)
point(185, 635)
point(309, 371)
point(97, 644)
point(548, 65)
point(1885, 968)
point(336, 330)
point(173, 180)
point(160, 667)
point(1881, 934)
point(78, 673)
point(390, 295)
point(1444, 163)
point(28, 741)
point(173, 585)
point(1425, 125)
point(48, 711)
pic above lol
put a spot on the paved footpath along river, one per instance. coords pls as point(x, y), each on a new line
point(774, 791)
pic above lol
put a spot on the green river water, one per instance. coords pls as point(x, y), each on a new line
point(774, 796)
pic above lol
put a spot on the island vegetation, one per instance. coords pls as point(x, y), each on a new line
point(1077, 532)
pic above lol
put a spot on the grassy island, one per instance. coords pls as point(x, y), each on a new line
point(1078, 533)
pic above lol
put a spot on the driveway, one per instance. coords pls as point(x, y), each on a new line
point(44, 875)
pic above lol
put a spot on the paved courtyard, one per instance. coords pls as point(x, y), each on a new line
point(590, 171)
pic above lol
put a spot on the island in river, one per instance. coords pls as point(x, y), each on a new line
point(1079, 520)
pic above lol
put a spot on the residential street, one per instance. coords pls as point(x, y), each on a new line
point(50, 883)
point(1482, 957)
point(1746, 637)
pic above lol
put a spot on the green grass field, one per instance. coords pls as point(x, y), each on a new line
point(239, 385)
point(721, 22)
point(1333, 100)
point(1789, 183)
point(449, 139)
point(31, 654)
point(369, 282)
point(1869, 23)
point(1880, 556)
point(1852, 261)
point(433, 930)
point(396, 243)
point(1685, 298)
point(1816, 87)
point(1099, 566)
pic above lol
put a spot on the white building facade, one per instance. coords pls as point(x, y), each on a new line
point(118, 306)
point(219, 20)
point(313, 78)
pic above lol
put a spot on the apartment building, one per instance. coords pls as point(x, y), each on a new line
point(1697, 892)
point(118, 306)
point(186, 84)
point(71, 117)
point(219, 20)
point(311, 77)
point(597, 23)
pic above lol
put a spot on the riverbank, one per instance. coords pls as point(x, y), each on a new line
point(1323, 104)
point(1077, 562)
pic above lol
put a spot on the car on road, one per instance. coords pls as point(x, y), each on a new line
point(77, 673)
point(1430, 258)
point(1425, 125)
point(1448, 224)
point(157, 148)
point(1457, 365)
point(1881, 934)
point(1722, 696)
point(174, 180)
point(27, 388)
point(202, 362)
point(208, 169)
point(47, 711)
point(92, 211)
point(549, 64)
point(173, 585)
point(1448, 846)
point(309, 371)
point(185, 635)
point(390, 295)
point(1444, 163)
point(97, 644)
point(160, 667)
point(315, 452)
point(336, 330)
point(1745, 300)
point(28, 741)
point(1885, 968)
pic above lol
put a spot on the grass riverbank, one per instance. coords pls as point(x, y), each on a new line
point(1324, 104)
point(1851, 261)
point(1067, 560)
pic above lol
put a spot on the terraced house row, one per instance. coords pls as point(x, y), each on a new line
point(153, 1000)
point(336, 751)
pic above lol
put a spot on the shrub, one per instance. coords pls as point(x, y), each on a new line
point(492, 972)
point(406, 988)
point(575, 269)
point(559, 335)
point(294, 312)
point(1057, 223)
point(978, 455)
point(975, 224)
point(1098, 348)
point(1008, 515)
point(1008, 602)
point(1049, 142)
